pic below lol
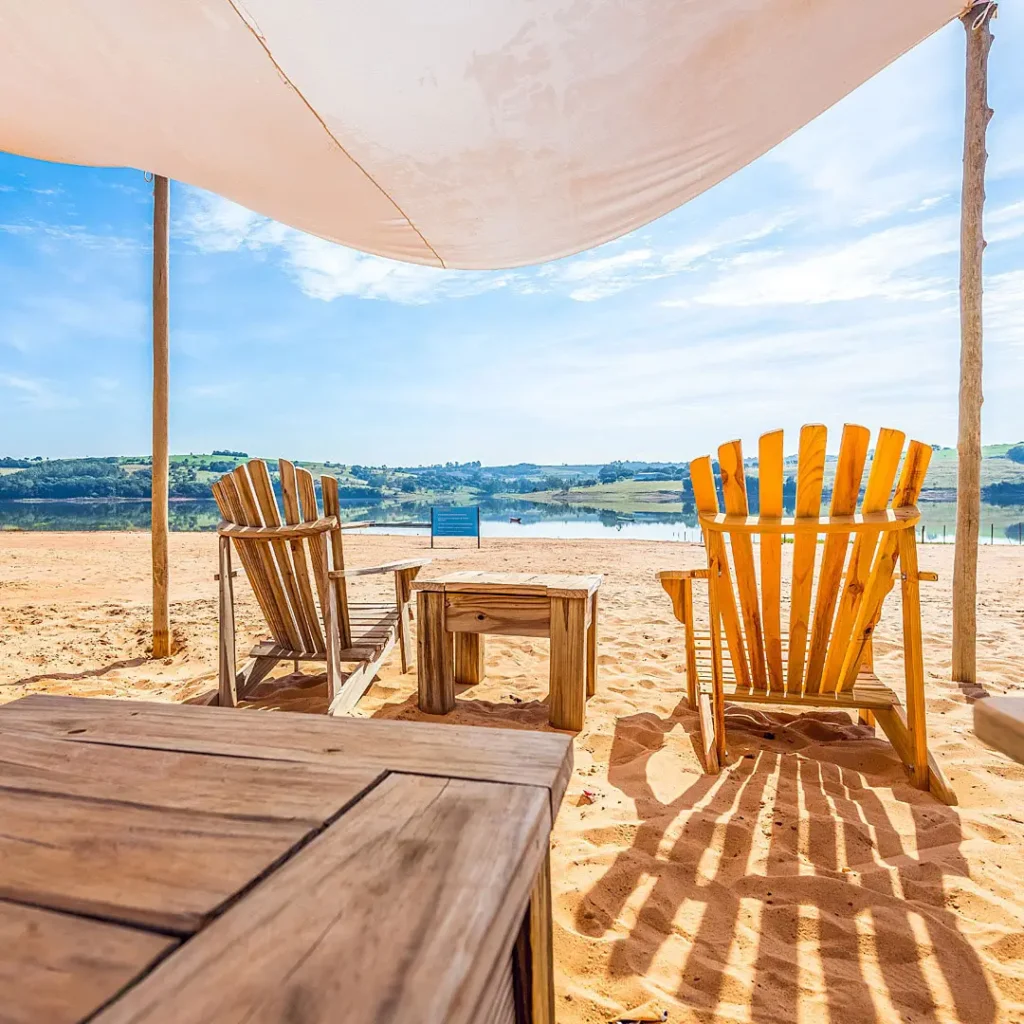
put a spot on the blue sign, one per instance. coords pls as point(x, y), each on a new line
point(455, 521)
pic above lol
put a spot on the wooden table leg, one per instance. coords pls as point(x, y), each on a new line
point(541, 948)
point(567, 697)
point(435, 670)
point(469, 658)
point(592, 647)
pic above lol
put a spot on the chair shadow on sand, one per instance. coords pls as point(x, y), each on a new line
point(899, 899)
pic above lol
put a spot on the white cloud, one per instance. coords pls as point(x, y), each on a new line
point(36, 392)
point(326, 271)
point(886, 264)
point(1006, 223)
point(323, 270)
point(887, 146)
point(1004, 308)
point(205, 391)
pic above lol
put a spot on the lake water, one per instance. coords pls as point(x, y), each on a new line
point(999, 525)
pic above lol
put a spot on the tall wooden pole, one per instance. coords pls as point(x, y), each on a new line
point(161, 468)
point(972, 244)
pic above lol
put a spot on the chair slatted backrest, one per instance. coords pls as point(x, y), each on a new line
point(287, 573)
point(835, 599)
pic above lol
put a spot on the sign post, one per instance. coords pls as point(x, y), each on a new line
point(455, 521)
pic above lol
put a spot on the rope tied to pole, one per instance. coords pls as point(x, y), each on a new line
point(987, 9)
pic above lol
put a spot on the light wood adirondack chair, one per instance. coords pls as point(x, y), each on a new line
point(822, 659)
point(296, 568)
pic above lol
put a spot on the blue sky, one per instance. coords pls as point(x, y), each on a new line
point(818, 284)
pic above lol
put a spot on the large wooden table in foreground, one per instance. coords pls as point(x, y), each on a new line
point(168, 863)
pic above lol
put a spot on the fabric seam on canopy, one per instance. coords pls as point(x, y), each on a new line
point(309, 106)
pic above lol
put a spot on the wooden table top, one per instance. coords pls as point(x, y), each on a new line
point(523, 583)
point(258, 866)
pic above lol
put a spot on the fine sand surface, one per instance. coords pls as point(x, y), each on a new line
point(808, 882)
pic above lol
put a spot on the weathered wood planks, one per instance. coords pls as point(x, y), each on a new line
point(242, 787)
point(532, 758)
point(497, 614)
point(58, 969)
point(400, 892)
point(169, 869)
point(399, 915)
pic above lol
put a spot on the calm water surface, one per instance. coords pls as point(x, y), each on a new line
point(999, 525)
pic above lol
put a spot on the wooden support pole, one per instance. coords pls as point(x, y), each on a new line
point(972, 245)
point(161, 467)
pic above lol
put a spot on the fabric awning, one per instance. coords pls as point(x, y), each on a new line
point(462, 133)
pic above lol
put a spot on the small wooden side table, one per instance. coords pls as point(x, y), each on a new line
point(455, 611)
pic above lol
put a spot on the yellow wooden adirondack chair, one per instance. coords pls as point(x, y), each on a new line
point(822, 659)
point(296, 569)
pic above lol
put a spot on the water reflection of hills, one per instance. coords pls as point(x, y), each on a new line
point(201, 515)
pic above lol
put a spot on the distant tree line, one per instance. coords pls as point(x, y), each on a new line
point(91, 478)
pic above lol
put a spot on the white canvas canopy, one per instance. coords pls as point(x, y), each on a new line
point(460, 134)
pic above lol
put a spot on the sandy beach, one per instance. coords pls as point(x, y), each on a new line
point(807, 882)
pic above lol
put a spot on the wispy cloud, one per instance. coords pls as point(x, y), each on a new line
point(322, 269)
point(34, 392)
point(326, 271)
point(886, 264)
point(207, 391)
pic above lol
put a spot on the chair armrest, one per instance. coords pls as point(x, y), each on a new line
point(923, 577)
point(295, 531)
point(370, 570)
point(683, 574)
point(678, 584)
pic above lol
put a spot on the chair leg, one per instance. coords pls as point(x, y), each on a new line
point(893, 723)
point(252, 673)
point(227, 694)
point(403, 621)
point(592, 648)
point(692, 681)
point(913, 658)
point(708, 742)
point(718, 703)
point(866, 717)
point(681, 593)
point(403, 597)
point(332, 623)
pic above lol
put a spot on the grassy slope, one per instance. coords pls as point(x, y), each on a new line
point(623, 496)
point(640, 496)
